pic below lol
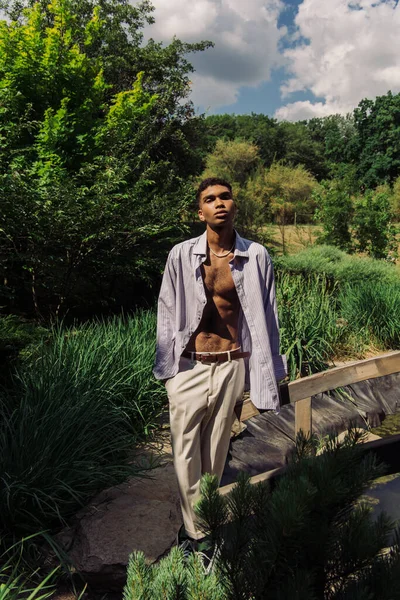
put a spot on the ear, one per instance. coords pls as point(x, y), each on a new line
point(201, 216)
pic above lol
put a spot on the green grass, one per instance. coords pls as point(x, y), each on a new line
point(308, 322)
point(16, 583)
point(373, 312)
point(321, 319)
point(338, 266)
point(332, 304)
point(14, 587)
point(78, 407)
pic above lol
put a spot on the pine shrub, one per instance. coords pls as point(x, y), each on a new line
point(310, 537)
point(172, 579)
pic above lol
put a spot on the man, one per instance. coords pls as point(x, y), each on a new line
point(217, 326)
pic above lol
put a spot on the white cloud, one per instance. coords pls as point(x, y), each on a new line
point(352, 52)
point(245, 34)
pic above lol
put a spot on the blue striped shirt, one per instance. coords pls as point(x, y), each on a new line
point(182, 300)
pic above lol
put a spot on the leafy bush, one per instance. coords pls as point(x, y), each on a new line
point(17, 334)
point(373, 226)
point(96, 140)
point(71, 421)
point(334, 210)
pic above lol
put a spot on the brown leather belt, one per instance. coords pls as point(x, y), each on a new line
point(220, 357)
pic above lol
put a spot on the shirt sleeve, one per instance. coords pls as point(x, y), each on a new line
point(271, 316)
point(165, 322)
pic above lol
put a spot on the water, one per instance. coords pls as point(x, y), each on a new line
point(390, 426)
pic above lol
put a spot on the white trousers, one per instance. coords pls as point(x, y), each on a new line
point(202, 398)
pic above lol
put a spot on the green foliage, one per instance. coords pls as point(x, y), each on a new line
point(91, 397)
point(233, 160)
point(254, 206)
point(89, 164)
point(372, 312)
point(377, 148)
point(14, 587)
point(338, 134)
point(373, 226)
point(299, 147)
point(309, 537)
point(289, 193)
point(334, 304)
point(338, 266)
point(308, 323)
point(17, 334)
point(260, 130)
point(334, 211)
point(292, 143)
point(172, 578)
point(395, 200)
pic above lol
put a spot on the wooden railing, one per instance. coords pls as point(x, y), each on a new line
point(301, 391)
point(300, 394)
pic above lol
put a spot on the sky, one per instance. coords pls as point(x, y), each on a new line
point(289, 59)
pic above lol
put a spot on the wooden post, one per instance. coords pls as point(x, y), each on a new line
point(302, 415)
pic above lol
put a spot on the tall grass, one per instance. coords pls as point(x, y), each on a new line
point(372, 313)
point(16, 583)
point(332, 304)
point(78, 407)
point(308, 323)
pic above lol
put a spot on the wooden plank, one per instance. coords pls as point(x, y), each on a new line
point(302, 416)
point(339, 376)
point(386, 449)
point(245, 410)
point(255, 479)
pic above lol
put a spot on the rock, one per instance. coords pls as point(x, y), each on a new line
point(141, 514)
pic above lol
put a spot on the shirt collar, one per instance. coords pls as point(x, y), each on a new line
point(200, 246)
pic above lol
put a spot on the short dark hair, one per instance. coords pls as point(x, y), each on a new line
point(208, 183)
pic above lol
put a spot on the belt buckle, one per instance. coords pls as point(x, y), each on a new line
point(206, 358)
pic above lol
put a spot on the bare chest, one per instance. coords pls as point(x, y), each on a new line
point(218, 281)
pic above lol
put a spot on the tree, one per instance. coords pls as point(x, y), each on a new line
point(377, 148)
point(337, 134)
point(373, 218)
point(260, 130)
point(220, 127)
point(289, 194)
point(93, 175)
point(233, 160)
point(395, 200)
point(335, 212)
point(297, 147)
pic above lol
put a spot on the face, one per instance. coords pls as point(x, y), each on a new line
point(217, 207)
